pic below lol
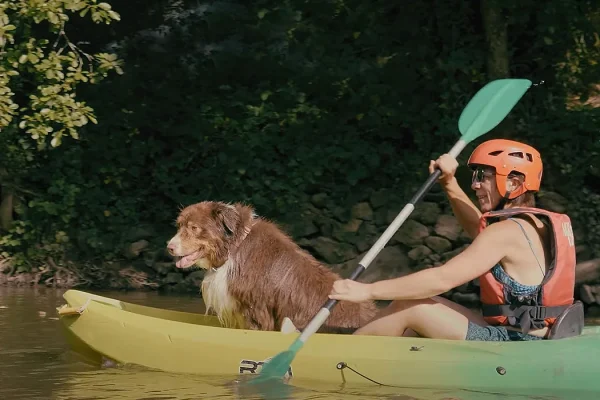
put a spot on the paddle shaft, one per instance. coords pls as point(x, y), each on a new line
point(364, 263)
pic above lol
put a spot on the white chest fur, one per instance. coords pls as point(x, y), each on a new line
point(216, 296)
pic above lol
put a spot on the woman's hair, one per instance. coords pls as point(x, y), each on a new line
point(527, 199)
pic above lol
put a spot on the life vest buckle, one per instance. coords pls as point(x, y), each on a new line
point(538, 313)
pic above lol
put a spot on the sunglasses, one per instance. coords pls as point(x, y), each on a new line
point(480, 174)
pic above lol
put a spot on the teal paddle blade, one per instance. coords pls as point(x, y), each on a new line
point(490, 105)
point(278, 366)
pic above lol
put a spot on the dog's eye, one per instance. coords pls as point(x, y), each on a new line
point(195, 229)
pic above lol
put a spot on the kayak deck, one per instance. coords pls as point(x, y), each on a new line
point(184, 342)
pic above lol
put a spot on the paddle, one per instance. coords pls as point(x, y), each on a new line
point(490, 105)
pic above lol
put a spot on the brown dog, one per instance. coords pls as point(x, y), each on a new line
point(257, 275)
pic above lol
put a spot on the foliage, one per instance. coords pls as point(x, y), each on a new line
point(48, 75)
point(41, 70)
point(270, 102)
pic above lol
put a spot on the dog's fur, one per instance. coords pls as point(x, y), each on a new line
point(256, 275)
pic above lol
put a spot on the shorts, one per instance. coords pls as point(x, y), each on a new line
point(496, 334)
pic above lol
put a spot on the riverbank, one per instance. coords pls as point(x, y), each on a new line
point(337, 236)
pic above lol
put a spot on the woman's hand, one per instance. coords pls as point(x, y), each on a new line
point(350, 290)
point(447, 164)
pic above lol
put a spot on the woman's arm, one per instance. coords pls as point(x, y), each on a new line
point(465, 211)
point(487, 249)
point(467, 214)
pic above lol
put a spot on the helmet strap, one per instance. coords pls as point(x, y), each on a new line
point(503, 200)
point(501, 203)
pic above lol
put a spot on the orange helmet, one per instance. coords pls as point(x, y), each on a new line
point(508, 156)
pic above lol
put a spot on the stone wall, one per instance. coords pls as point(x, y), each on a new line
point(339, 237)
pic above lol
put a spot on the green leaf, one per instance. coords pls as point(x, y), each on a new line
point(261, 14)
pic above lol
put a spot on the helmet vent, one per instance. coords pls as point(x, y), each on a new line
point(519, 154)
point(529, 157)
point(495, 153)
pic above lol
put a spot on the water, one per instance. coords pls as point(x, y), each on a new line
point(36, 363)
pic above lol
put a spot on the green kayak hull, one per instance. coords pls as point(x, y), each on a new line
point(101, 329)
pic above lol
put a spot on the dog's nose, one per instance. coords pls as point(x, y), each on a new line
point(171, 247)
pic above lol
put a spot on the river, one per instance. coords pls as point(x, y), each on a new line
point(36, 362)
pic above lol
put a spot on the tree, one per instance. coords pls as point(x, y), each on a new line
point(40, 71)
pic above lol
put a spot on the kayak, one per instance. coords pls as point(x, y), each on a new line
point(104, 330)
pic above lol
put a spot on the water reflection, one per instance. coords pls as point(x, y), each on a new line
point(36, 363)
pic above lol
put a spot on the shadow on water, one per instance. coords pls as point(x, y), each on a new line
point(36, 363)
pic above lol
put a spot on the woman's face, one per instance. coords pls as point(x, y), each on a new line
point(484, 185)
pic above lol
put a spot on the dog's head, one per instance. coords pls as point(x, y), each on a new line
point(205, 233)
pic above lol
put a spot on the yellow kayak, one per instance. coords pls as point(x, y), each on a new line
point(102, 329)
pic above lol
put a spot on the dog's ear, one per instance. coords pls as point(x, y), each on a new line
point(227, 216)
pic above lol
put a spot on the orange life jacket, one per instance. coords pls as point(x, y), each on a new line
point(556, 292)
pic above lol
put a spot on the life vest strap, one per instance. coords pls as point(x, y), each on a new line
point(526, 317)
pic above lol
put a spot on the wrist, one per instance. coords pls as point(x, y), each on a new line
point(371, 291)
point(448, 183)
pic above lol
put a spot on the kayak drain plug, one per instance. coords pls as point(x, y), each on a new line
point(501, 370)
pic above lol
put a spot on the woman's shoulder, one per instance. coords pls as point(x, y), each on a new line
point(528, 220)
point(509, 230)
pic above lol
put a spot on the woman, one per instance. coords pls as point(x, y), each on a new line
point(510, 256)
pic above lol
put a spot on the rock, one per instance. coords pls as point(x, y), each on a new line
point(134, 249)
point(340, 213)
point(422, 266)
point(593, 312)
point(419, 253)
point(447, 226)
point(173, 277)
point(438, 244)
point(586, 294)
point(391, 262)
point(303, 225)
point(578, 233)
point(411, 233)
point(362, 211)
point(382, 197)
point(346, 233)
point(319, 199)
point(139, 232)
point(380, 216)
point(552, 201)
point(463, 238)
point(453, 253)
point(150, 257)
point(196, 277)
point(163, 268)
point(587, 271)
point(303, 228)
point(351, 226)
point(583, 252)
point(435, 258)
point(426, 212)
point(325, 225)
point(367, 236)
point(331, 251)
